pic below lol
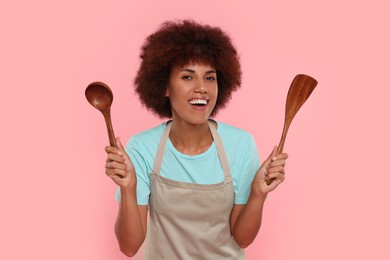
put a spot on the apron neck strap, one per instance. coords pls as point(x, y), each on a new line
point(217, 140)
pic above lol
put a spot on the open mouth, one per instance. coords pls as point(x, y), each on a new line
point(198, 102)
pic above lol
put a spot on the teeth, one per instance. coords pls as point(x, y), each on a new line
point(198, 102)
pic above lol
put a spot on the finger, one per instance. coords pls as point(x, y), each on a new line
point(280, 156)
point(116, 172)
point(276, 175)
point(273, 184)
point(281, 162)
point(275, 169)
point(117, 179)
point(115, 165)
point(115, 157)
point(111, 149)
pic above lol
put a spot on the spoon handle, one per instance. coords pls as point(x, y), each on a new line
point(110, 130)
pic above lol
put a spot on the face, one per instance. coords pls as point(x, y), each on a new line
point(192, 92)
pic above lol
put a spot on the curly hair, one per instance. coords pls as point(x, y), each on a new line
point(177, 44)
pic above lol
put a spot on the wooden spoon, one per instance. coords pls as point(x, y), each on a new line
point(99, 95)
point(301, 88)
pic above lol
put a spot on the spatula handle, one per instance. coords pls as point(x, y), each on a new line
point(281, 144)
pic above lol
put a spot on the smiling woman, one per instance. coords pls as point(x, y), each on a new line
point(192, 92)
point(185, 43)
point(199, 179)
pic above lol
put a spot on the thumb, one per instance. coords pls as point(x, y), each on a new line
point(124, 154)
point(272, 155)
point(119, 144)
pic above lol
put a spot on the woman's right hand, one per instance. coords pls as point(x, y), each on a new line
point(119, 166)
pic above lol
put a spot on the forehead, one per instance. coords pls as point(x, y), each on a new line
point(193, 66)
point(192, 60)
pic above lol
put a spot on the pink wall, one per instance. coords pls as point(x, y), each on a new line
point(58, 204)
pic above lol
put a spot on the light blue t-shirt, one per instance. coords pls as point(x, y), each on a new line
point(204, 168)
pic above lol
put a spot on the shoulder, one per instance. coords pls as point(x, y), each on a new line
point(238, 143)
point(153, 132)
point(146, 140)
point(232, 133)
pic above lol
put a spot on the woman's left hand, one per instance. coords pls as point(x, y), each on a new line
point(271, 169)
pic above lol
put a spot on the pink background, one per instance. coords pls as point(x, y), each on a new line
point(57, 202)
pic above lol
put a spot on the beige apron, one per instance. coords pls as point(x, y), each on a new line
point(187, 220)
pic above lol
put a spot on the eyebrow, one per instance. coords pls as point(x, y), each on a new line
point(193, 71)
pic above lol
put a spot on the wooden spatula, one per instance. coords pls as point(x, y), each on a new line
point(301, 88)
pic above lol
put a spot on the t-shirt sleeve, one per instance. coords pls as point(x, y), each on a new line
point(134, 150)
point(250, 165)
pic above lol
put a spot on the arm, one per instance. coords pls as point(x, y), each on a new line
point(245, 219)
point(130, 226)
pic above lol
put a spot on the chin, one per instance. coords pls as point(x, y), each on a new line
point(193, 119)
point(197, 121)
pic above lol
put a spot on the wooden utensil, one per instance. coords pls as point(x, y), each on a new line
point(300, 89)
point(99, 95)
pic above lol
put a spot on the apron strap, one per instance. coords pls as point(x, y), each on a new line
point(220, 149)
point(161, 148)
point(217, 141)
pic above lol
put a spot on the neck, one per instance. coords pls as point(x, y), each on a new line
point(190, 139)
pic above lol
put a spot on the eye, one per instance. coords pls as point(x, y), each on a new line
point(186, 77)
point(211, 78)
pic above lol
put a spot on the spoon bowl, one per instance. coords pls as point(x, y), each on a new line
point(100, 96)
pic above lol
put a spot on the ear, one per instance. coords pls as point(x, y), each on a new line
point(167, 92)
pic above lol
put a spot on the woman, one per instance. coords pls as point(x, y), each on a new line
point(200, 179)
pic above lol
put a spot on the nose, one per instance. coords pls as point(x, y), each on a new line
point(201, 87)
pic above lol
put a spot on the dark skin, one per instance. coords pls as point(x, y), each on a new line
point(189, 134)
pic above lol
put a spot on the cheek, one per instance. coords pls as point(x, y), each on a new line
point(215, 91)
point(175, 101)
